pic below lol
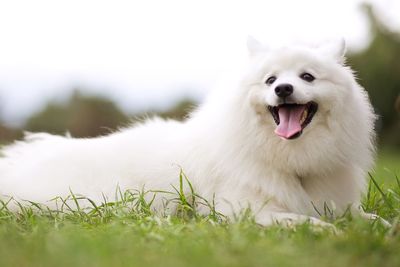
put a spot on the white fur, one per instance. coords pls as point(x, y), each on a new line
point(227, 147)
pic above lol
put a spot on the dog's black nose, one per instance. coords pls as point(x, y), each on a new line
point(284, 90)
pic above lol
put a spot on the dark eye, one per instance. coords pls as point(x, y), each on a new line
point(307, 77)
point(270, 80)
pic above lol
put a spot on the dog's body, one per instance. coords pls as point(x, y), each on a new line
point(228, 146)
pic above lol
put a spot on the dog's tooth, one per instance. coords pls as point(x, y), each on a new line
point(304, 116)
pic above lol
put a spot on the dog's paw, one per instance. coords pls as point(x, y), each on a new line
point(374, 217)
point(291, 220)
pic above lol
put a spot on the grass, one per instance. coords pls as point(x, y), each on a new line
point(126, 233)
point(388, 164)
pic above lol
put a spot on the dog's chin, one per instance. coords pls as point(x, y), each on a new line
point(291, 119)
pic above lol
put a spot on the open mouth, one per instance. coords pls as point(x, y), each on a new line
point(291, 119)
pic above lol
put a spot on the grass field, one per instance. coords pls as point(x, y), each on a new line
point(127, 234)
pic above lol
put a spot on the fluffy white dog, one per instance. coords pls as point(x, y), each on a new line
point(293, 134)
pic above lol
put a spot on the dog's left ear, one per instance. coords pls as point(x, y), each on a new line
point(336, 49)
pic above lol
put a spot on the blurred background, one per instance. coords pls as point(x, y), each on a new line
point(88, 67)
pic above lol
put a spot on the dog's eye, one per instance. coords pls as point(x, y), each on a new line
point(270, 80)
point(307, 77)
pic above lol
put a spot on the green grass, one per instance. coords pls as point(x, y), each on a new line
point(126, 233)
point(388, 164)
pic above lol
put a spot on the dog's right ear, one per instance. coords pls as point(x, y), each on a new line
point(254, 46)
point(336, 49)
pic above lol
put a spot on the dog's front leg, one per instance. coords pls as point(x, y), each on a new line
point(288, 219)
point(374, 217)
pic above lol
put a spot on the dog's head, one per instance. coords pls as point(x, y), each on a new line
point(299, 86)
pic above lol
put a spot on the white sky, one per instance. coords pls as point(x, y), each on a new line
point(149, 53)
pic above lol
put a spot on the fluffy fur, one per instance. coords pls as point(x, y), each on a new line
point(227, 147)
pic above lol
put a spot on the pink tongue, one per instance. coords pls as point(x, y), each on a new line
point(289, 120)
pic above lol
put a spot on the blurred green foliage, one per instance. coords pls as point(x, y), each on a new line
point(8, 134)
point(90, 116)
point(378, 70)
point(81, 116)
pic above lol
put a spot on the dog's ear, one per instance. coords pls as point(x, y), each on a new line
point(254, 46)
point(335, 49)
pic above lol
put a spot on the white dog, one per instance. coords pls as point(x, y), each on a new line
point(290, 136)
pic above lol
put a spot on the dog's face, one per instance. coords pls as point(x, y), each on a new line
point(300, 87)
